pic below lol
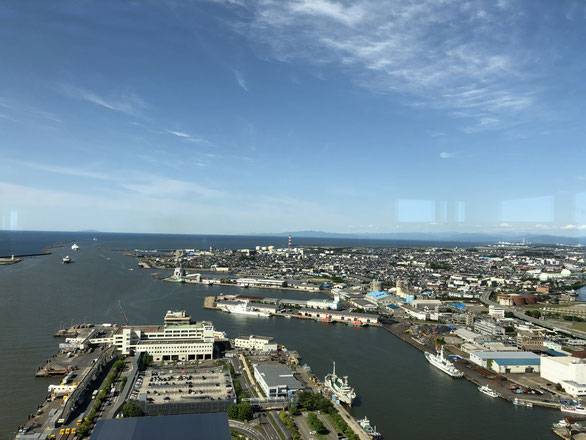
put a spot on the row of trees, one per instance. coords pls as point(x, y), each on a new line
point(312, 402)
point(85, 427)
point(242, 411)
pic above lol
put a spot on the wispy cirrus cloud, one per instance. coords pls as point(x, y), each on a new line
point(130, 104)
point(462, 57)
point(447, 155)
point(69, 171)
point(240, 80)
point(188, 138)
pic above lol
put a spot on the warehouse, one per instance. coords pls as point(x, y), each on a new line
point(276, 380)
point(507, 361)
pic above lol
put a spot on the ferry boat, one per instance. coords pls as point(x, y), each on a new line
point(372, 433)
point(572, 407)
point(442, 363)
point(485, 389)
point(244, 309)
point(339, 386)
point(74, 247)
point(67, 259)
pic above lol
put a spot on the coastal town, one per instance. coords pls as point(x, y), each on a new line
point(507, 317)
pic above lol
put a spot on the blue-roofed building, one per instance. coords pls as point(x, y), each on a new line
point(378, 294)
point(379, 297)
point(507, 361)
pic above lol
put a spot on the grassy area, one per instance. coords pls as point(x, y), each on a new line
point(579, 326)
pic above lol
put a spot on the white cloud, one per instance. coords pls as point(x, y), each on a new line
point(574, 227)
point(126, 103)
point(79, 172)
point(189, 138)
point(240, 80)
point(171, 188)
point(459, 56)
point(446, 155)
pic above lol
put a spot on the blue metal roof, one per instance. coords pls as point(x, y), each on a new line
point(458, 305)
point(378, 294)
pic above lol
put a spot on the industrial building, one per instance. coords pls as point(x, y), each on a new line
point(340, 316)
point(507, 361)
point(489, 328)
point(567, 371)
point(253, 342)
point(276, 380)
point(258, 282)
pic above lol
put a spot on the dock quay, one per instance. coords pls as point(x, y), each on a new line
point(480, 376)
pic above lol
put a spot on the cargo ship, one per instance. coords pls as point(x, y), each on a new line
point(339, 386)
point(372, 433)
point(439, 361)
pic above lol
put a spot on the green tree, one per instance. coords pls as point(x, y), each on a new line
point(233, 412)
point(131, 409)
point(245, 411)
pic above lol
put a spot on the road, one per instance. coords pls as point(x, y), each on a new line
point(268, 427)
point(246, 429)
point(485, 298)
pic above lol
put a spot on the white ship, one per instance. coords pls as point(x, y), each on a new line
point(572, 407)
point(244, 309)
point(518, 402)
point(339, 386)
point(67, 259)
point(439, 361)
point(74, 247)
point(485, 389)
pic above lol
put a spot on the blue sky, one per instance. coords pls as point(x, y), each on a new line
point(267, 116)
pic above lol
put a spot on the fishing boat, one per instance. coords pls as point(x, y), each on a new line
point(572, 407)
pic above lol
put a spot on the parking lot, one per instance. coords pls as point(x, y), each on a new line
point(183, 385)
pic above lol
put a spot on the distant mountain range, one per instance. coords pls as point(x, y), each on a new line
point(440, 236)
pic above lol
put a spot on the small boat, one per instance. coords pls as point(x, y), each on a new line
point(74, 247)
point(572, 407)
point(524, 403)
point(485, 389)
point(372, 433)
point(67, 259)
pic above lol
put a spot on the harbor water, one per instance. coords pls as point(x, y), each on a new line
point(398, 390)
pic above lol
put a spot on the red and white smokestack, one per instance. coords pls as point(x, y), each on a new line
point(289, 242)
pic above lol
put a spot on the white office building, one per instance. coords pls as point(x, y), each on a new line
point(253, 342)
point(175, 342)
point(567, 371)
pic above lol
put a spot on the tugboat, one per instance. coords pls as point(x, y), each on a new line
point(372, 433)
point(339, 386)
point(67, 259)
